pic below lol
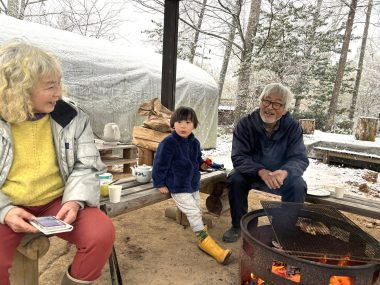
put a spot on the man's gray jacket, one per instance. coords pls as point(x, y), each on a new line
point(78, 158)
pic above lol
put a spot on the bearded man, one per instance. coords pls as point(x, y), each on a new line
point(268, 154)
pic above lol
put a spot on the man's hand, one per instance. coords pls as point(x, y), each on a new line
point(273, 180)
point(18, 220)
point(280, 175)
point(163, 190)
point(68, 212)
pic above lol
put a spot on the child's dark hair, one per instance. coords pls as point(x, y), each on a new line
point(184, 114)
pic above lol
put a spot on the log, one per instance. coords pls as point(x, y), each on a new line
point(212, 178)
point(146, 144)
point(148, 134)
point(366, 129)
point(147, 141)
point(147, 138)
point(24, 269)
point(307, 125)
point(175, 214)
point(218, 204)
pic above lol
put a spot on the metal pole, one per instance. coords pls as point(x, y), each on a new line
point(169, 53)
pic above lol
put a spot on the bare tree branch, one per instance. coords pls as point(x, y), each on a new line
point(4, 9)
point(269, 29)
point(210, 34)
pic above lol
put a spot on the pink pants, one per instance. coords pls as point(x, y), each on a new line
point(93, 235)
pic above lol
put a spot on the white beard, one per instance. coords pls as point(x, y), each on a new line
point(268, 117)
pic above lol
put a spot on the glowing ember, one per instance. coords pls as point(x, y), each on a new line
point(288, 272)
point(255, 281)
point(339, 280)
point(293, 273)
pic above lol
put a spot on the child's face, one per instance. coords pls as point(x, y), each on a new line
point(46, 93)
point(184, 128)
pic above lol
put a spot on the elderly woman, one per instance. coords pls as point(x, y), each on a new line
point(268, 154)
point(49, 164)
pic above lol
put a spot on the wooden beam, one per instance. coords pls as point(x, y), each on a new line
point(169, 53)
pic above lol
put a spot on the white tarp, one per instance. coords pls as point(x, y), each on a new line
point(110, 81)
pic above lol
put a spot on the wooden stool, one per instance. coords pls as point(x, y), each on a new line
point(366, 128)
point(24, 269)
point(308, 126)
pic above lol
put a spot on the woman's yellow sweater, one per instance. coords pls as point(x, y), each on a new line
point(34, 178)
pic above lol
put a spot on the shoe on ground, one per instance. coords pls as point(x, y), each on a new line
point(232, 235)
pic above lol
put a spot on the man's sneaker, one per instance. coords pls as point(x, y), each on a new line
point(231, 235)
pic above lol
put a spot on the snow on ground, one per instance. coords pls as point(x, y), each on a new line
point(339, 138)
point(318, 175)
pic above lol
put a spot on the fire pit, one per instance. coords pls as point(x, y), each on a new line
point(277, 248)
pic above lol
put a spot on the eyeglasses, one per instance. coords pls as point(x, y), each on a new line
point(275, 105)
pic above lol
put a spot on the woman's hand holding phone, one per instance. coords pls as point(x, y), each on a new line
point(18, 220)
point(68, 212)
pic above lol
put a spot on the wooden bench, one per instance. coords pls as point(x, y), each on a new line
point(370, 161)
point(349, 203)
point(135, 195)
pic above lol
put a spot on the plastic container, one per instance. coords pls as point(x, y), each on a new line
point(105, 179)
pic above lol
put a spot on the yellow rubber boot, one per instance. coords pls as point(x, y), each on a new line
point(209, 246)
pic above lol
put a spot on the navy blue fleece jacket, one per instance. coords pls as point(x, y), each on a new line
point(176, 164)
point(253, 150)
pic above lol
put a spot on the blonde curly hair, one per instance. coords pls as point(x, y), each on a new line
point(22, 66)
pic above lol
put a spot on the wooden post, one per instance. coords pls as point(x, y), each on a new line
point(145, 156)
point(169, 53)
point(129, 153)
point(366, 128)
point(308, 126)
point(24, 269)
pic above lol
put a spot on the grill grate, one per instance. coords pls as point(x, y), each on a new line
point(316, 231)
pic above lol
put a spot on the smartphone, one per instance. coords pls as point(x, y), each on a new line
point(50, 224)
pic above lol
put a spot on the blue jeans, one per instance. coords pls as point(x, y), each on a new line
point(239, 185)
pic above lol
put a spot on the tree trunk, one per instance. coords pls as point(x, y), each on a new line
point(366, 129)
point(218, 205)
point(23, 5)
point(361, 60)
point(308, 126)
point(12, 8)
point(301, 88)
point(244, 100)
point(227, 51)
point(341, 66)
point(196, 36)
